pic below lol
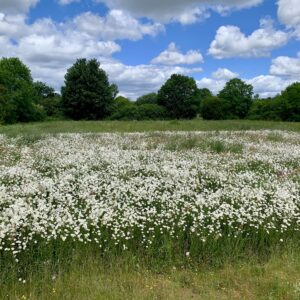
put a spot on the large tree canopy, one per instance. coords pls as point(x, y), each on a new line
point(17, 93)
point(87, 93)
point(180, 96)
point(237, 97)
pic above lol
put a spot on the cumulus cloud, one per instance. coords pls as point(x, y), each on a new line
point(268, 85)
point(184, 11)
point(289, 14)
point(231, 42)
point(223, 73)
point(172, 56)
point(115, 25)
point(16, 6)
point(286, 66)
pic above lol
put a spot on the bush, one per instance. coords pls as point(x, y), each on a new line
point(140, 112)
point(147, 99)
point(265, 109)
point(212, 108)
point(120, 102)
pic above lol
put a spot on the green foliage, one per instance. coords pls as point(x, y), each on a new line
point(290, 103)
point(48, 99)
point(212, 108)
point(87, 93)
point(180, 96)
point(121, 102)
point(147, 99)
point(140, 112)
point(17, 93)
point(265, 109)
point(237, 97)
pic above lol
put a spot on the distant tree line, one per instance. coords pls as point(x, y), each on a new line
point(88, 95)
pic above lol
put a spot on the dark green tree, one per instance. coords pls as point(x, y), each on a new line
point(237, 97)
point(290, 103)
point(180, 96)
point(18, 96)
point(87, 93)
point(147, 99)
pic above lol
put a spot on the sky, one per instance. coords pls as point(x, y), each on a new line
point(141, 43)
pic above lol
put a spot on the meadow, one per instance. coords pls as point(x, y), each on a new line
point(150, 210)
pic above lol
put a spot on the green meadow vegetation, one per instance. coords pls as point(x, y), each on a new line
point(262, 266)
point(180, 194)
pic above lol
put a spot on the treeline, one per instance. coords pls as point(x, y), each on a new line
point(88, 95)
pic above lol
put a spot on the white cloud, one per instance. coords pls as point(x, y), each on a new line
point(214, 85)
point(286, 66)
point(289, 14)
point(268, 85)
point(224, 74)
point(115, 25)
point(172, 56)
point(231, 42)
point(16, 6)
point(66, 2)
point(184, 11)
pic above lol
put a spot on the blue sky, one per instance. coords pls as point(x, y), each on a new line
point(140, 43)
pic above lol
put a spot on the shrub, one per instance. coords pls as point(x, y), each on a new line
point(265, 109)
point(147, 99)
point(212, 108)
point(140, 112)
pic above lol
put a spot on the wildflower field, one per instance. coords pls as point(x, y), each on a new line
point(157, 199)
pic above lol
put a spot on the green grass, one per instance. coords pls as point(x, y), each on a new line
point(140, 126)
point(89, 278)
point(270, 273)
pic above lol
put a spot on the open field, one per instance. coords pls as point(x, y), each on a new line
point(141, 126)
point(200, 214)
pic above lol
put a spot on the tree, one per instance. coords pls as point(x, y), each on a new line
point(48, 99)
point(205, 93)
point(237, 97)
point(147, 99)
point(212, 108)
point(180, 96)
point(43, 90)
point(87, 93)
point(18, 95)
point(290, 103)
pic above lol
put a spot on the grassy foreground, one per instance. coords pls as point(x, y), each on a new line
point(273, 274)
point(141, 126)
point(276, 278)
